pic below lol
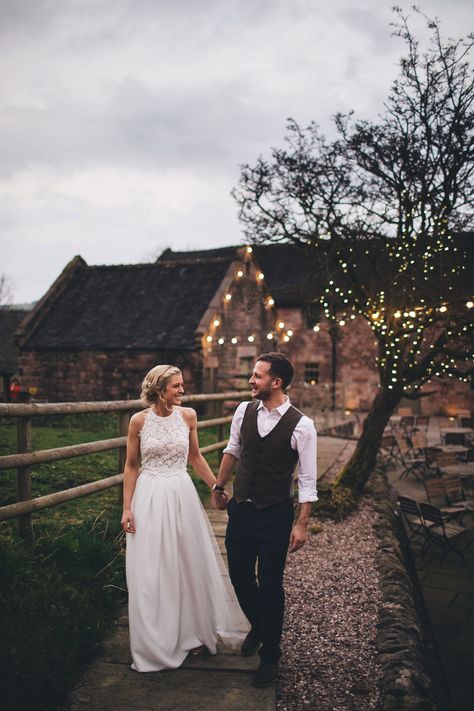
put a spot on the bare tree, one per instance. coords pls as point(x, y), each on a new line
point(6, 290)
point(377, 211)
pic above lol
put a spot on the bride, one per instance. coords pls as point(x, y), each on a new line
point(180, 598)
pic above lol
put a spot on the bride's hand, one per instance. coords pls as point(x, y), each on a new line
point(128, 522)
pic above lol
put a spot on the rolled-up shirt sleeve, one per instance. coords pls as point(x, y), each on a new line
point(304, 436)
point(234, 444)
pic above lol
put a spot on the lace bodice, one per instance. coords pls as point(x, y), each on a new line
point(164, 444)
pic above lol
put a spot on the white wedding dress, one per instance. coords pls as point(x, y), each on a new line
point(180, 596)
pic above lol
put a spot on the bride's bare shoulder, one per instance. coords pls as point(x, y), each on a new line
point(137, 420)
point(189, 415)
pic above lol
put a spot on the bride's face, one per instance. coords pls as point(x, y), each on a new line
point(174, 390)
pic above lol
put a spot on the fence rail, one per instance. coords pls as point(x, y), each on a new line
point(25, 458)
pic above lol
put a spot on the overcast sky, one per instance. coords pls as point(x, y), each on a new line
point(123, 122)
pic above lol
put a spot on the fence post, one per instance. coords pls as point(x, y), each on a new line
point(220, 428)
point(123, 422)
point(23, 474)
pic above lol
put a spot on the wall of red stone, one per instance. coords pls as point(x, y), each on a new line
point(88, 375)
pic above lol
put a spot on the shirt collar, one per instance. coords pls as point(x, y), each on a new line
point(281, 409)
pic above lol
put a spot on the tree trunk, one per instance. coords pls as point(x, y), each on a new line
point(360, 466)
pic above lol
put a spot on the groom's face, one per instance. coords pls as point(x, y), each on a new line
point(261, 380)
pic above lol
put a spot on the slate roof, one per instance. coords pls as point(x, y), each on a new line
point(10, 319)
point(138, 306)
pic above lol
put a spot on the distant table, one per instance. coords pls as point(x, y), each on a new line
point(464, 433)
point(463, 468)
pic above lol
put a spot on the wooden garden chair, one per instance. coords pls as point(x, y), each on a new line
point(456, 495)
point(422, 422)
point(437, 495)
point(411, 460)
point(440, 532)
point(389, 449)
point(411, 515)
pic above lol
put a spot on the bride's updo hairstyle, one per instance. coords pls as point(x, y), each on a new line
point(155, 382)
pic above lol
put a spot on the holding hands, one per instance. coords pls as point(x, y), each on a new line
point(219, 497)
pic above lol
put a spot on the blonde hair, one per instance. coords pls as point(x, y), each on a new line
point(155, 382)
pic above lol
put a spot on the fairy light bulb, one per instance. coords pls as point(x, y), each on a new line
point(233, 340)
point(228, 297)
point(239, 274)
point(221, 341)
point(216, 322)
point(251, 339)
point(270, 336)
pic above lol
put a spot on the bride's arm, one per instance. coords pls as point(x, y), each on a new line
point(195, 457)
point(130, 472)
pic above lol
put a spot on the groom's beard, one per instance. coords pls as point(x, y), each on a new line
point(262, 394)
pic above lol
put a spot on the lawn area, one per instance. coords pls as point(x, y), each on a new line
point(59, 431)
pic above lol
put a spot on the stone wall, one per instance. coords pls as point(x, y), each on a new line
point(406, 684)
point(63, 376)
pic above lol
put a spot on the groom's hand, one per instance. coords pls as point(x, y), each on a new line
point(297, 537)
point(219, 500)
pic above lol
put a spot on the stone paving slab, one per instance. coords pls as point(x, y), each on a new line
point(115, 687)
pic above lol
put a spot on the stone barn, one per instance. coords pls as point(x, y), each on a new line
point(211, 312)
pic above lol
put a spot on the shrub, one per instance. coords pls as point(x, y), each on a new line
point(60, 593)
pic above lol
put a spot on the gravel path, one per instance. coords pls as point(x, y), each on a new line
point(332, 602)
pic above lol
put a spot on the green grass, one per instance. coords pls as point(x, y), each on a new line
point(61, 588)
point(55, 431)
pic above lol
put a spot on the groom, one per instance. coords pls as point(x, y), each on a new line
point(268, 437)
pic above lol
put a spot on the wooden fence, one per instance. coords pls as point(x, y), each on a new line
point(26, 458)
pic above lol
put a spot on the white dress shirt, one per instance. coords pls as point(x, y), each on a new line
point(303, 440)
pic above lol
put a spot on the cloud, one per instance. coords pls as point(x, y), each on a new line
point(123, 122)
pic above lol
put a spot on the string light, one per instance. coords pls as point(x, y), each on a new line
point(251, 339)
point(221, 341)
point(239, 274)
point(216, 322)
point(234, 340)
point(228, 297)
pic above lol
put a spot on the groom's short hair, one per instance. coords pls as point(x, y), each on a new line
point(280, 367)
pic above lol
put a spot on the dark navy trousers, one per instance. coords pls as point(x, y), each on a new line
point(257, 544)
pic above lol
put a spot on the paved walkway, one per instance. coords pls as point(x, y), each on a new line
point(448, 594)
point(221, 682)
